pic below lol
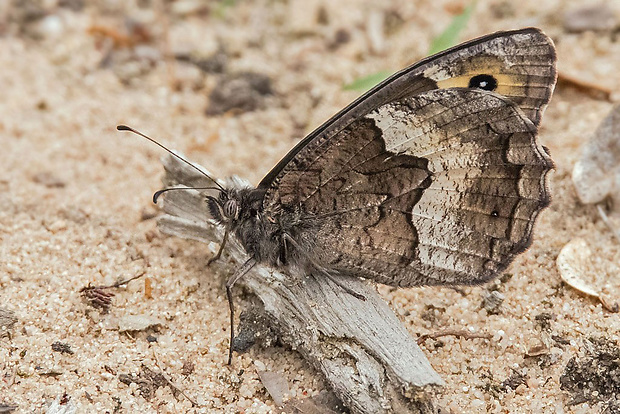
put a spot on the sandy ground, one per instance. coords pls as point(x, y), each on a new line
point(75, 199)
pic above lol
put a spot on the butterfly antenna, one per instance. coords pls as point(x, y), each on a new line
point(156, 195)
point(165, 190)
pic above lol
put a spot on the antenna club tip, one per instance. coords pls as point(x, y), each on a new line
point(122, 128)
point(156, 196)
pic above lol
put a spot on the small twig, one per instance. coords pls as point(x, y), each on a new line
point(595, 90)
point(173, 387)
point(462, 333)
point(124, 282)
point(115, 285)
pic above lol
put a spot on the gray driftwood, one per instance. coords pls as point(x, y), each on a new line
point(366, 355)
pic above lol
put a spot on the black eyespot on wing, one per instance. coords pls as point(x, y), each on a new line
point(494, 213)
point(486, 82)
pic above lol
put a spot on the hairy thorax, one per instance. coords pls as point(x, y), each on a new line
point(281, 238)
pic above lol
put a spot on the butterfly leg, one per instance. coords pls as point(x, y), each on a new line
point(242, 271)
point(288, 238)
point(219, 251)
point(339, 283)
point(345, 288)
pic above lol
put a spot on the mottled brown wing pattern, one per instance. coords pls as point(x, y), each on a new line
point(439, 188)
point(519, 64)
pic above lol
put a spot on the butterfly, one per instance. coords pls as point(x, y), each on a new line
point(433, 177)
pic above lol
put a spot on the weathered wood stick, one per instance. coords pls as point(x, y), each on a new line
point(366, 355)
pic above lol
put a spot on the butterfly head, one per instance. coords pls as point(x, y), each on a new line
point(225, 207)
point(234, 205)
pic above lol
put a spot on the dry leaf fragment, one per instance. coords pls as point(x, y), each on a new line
point(572, 263)
point(597, 173)
point(48, 372)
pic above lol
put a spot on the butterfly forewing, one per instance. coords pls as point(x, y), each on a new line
point(519, 65)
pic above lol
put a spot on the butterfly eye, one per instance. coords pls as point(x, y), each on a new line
point(486, 82)
point(230, 208)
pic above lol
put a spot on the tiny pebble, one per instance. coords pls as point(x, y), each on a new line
point(260, 366)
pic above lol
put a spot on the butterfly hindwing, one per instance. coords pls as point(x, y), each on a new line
point(438, 188)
